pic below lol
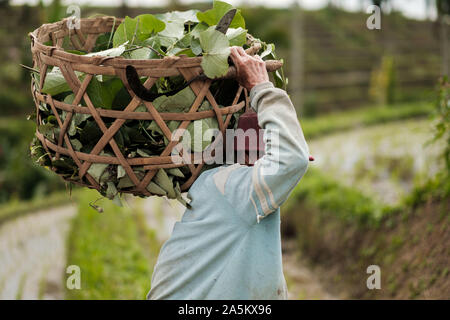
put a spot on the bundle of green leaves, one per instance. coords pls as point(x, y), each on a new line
point(191, 33)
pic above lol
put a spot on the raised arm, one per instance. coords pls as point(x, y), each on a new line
point(286, 153)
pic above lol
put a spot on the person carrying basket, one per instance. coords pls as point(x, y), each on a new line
point(228, 244)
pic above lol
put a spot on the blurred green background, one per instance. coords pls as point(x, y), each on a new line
point(375, 115)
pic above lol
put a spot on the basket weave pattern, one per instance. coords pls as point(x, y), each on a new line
point(85, 39)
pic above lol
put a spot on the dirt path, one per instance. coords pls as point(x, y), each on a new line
point(32, 254)
point(302, 283)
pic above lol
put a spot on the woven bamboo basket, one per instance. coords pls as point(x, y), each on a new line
point(84, 39)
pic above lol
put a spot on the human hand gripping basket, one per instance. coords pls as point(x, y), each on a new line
point(94, 131)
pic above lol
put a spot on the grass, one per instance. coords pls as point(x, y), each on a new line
point(349, 204)
point(346, 120)
point(319, 191)
point(111, 250)
point(435, 188)
point(329, 197)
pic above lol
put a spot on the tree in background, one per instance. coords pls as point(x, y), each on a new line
point(380, 3)
point(56, 11)
point(173, 5)
point(382, 82)
point(123, 9)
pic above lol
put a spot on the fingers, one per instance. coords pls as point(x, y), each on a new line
point(258, 59)
point(241, 51)
point(235, 55)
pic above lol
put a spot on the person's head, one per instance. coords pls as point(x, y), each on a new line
point(250, 71)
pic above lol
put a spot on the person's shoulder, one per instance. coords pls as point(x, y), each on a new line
point(219, 176)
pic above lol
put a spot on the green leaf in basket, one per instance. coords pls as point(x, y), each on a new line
point(77, 119)
point(55, 83)
point(182, 102)
point(175, 172)
point(197, 130)
point(198, 29)
point(47, 130)
point(175, 22)
point(155, 43)
point(141, 54)
point(120, 172)
point(179, 102)
point(162, 180)
point(182, 16)
point(111, 190)
point(270, 48)
point(127, 32)
point(96, 170)
point(64, 165)
point(187, 51)
point(216, 50)
point(220, 8)
point(195, 46)
point(102, 94)
point(69, 99)
point(179, 196)
point(174, 29)
point(125, 182)
point(76, 144)
point(237, 37)
point(155, 189)
point(142, 153)
point(113, 52)
point(149, 24)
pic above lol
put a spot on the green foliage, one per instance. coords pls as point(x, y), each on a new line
point(56, 11)
point(437, 188)
point(443, 7)
point(108, 249)
point(213, 16)
point(216, 50)
point(382, 82)
point(175, 33)
point(20, 178)
point(442, 115)
point(237, 37)
point(329, 197)
point(338, 121)
point(322, 192)
point(133, 30)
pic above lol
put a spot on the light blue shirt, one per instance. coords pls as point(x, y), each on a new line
point(228, 245)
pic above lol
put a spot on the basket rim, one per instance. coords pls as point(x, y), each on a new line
point(118, 61)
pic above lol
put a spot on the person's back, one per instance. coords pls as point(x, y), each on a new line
point(228, 245)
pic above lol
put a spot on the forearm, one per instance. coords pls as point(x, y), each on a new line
point(286, 153)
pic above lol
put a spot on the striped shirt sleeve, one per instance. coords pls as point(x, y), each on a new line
point(286, 152)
